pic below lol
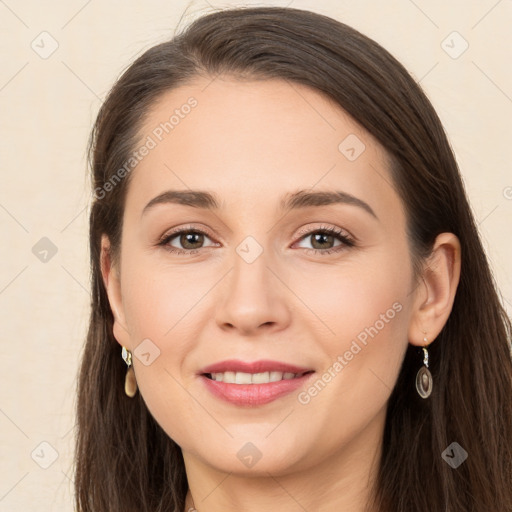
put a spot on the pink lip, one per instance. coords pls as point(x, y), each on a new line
point(253, 394)
point(263, 365)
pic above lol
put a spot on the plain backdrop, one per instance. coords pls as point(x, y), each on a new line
point(59, 60)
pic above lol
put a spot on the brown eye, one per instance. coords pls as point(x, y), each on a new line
point(324, 240)
point(185, 240)
point(191, 240)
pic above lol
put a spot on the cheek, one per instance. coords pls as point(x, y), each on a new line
point(160, 299)
point(345, 300)
point(362, 306)
point(161, 305)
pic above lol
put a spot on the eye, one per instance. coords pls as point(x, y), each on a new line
point(190, 240)
point(323, 239)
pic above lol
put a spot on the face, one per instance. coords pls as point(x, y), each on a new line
point(319, 281)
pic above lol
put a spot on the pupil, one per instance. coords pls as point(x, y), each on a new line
point(323, 236)
point(188, 239)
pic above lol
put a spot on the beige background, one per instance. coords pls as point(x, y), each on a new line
point(48, 106)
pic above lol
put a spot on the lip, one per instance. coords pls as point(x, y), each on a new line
point(253, 395)
point(263, 365)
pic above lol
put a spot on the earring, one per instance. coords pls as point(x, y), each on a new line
point(424, 379)
point(130, 383)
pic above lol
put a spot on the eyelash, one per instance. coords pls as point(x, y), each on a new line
point(346, 240)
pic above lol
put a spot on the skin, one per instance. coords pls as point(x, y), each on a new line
point(251, 142)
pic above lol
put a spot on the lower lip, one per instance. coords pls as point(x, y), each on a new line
point(253, 394)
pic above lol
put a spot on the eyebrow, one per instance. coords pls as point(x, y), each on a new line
point(291, 201)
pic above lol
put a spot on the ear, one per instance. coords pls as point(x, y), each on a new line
point(434, 297)
point(112, 282)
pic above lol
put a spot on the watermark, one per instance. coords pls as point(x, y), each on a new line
point(44, 249)
point(249, 249)
point(454, 455)
point(146, 352)
point(304, 397)
point(44, 45)
point(44, 455)
point(352, 147)
point(454, 44)
point(151, 142)
point(249, 455)
point(507, 192)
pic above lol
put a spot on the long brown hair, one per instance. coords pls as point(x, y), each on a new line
point(124, 460)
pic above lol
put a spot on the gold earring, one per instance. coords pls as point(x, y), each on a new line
point(424, 379)
point(130, 383)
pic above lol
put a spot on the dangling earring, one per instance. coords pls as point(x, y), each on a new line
point(424, 379)
point(130, 383)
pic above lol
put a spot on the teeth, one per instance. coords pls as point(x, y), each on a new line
point(243, 378)
point(252, 378)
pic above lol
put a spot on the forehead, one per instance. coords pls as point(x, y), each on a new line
point(255, 139)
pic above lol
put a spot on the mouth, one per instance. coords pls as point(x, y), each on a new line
point(262, 365)
point(231, 377)
point(253, 384)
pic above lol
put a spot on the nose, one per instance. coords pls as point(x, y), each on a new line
point(253, 298)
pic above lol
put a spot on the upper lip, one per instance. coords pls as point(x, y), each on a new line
point(263, 365)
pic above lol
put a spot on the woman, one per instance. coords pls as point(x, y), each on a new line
point(292, 308)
